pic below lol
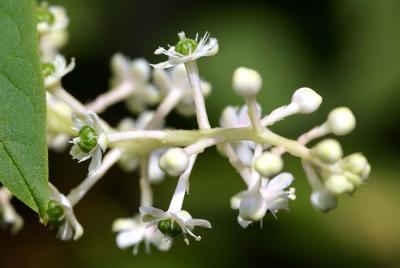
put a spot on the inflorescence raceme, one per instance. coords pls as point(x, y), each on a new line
point(145, 143)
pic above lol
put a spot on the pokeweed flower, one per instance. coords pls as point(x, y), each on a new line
point(55, 70)
point(263, 196)
point(177, 80)
point(235, 117)
point(8, 216)
point(187, 49)
point(51, 18)
point(274, 192)
point(126, 69)
point(60, 214)
point(92, 141)
point(133, 231)
point(133, 76)
point(57, 142)
point(171, 223)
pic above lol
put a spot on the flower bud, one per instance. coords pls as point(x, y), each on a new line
point(323, 200)
point(169, 227)
point(88, 139)
point(140, 69)
point(353, 178)
point(246, 82)
point(338, 184)
point(252, 207)
point(307, 100)
point(206, 88)
point(341, 121)
point(328, 151)
point(174, 161)
point(358, 164)
point(228, 117)
point(268, 164)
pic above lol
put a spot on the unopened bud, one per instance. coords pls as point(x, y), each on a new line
point(307, 100)
point(328, 151)
point(268, 164)
point(246, 82)
point(140, 69)
point(338, 184)
point(358, 164)
point(341, 121)
point(174, 161)
point(323, 200)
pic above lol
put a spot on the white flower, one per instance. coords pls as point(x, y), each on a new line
point(274, 192)
point(8, 215)
point(125, 69)
point(92, 141)
point(51, 18)
point(234, 117)
point(54, 71)
point(133, 231)
point(187, 50)
point(133, 74)
point(265, 195)
point(57, 142)
point(182, 218)
point(177, 79)
point(70, 228)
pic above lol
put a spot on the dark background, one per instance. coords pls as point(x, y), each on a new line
point(348, 51)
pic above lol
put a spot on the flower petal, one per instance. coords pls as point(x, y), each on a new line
point(236, 199)
point(151, 213)
point(96, 160)
point(280, 182)
point(162, 65)
point(95, 122)
point(243, 223)
point(245, 153)
point(128, 238)
point(198, 222)
point(123, 224)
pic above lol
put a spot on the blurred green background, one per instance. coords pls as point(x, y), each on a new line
point(348, 51)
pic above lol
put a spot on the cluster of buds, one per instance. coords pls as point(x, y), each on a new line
point(145, 143)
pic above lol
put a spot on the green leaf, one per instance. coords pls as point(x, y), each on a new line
point(23, 149)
